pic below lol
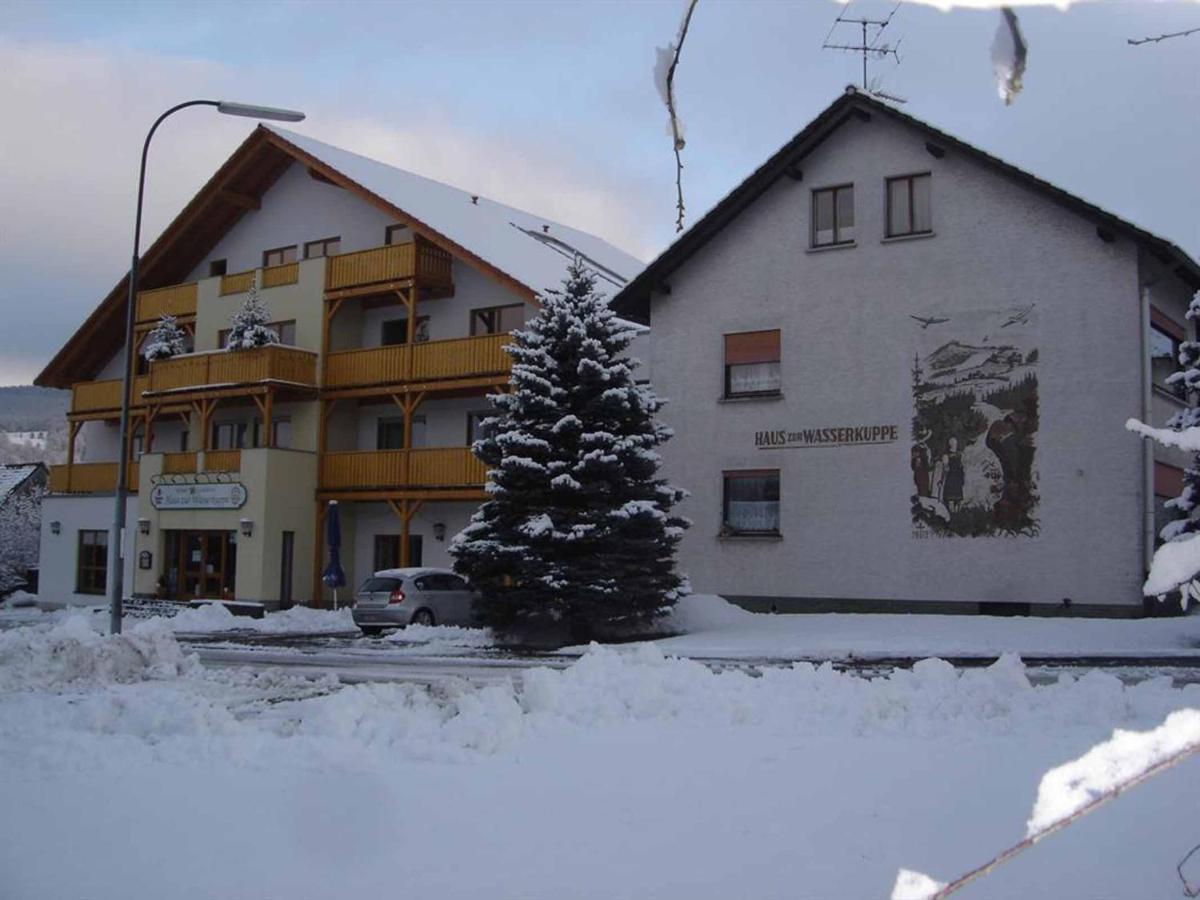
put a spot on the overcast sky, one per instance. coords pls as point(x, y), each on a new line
point(548, 106)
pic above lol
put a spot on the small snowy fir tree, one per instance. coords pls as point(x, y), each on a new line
point(166, 339)
point(577, 538)
point(249, 326)
point(1177, 562)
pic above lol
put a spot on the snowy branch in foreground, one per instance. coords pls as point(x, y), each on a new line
point(666, 59)
point(1009, 51)
point(1071, 791)
point(1187, 439)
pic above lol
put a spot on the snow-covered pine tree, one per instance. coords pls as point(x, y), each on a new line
point(577, 538)
point(1177, 562)
point(166, 339)
point(248, 327)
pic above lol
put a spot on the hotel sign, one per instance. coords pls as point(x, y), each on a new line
point(225, 495)
point(840, 436)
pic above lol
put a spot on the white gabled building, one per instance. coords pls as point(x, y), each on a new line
point(899, 370)
point(392, 295)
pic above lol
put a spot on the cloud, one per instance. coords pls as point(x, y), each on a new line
point(77, 116)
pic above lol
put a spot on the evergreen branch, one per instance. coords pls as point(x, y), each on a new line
point(1137, 42)
point(676, 131)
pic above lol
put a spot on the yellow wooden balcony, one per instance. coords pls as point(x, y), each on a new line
point(413, 260)
point(100, 397)
point(175, 300)
point(383, 470)
point(178, 463)
point(90, 478)
point(226, 369)
point(459, 358)
point(272, 276)
point(222, 460)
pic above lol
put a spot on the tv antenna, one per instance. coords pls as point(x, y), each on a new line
point(871, 47)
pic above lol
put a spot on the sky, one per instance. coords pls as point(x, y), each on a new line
point(548, 106)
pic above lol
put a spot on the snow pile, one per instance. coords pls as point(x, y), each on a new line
point(1069, 788)
point(74, 653)
point(705, 612)
point(915, 886)
point(215, 618)
point(444, 637)
point(19, 600)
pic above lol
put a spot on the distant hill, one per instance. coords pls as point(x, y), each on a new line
point(29, 408)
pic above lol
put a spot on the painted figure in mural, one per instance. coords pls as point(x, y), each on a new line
point(953, 476)
point(1012, 440)
point(921, 465)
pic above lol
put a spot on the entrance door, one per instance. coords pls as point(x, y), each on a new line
point(207, 565)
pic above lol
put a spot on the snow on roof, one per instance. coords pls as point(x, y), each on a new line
point(12, 476)
point(517, 243)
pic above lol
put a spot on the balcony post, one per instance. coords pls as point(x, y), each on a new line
point(410, 300)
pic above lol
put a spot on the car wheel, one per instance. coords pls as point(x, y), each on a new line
point(422, 617)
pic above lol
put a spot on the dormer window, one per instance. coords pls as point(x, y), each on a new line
point(909, 210)
point(833, 216)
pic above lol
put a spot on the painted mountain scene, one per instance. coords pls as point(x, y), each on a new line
point(975, 422)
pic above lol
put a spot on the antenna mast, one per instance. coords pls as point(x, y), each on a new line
point(870, 48)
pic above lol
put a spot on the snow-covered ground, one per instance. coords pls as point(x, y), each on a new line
point(128, 772)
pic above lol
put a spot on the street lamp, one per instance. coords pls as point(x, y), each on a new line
point(115, 583)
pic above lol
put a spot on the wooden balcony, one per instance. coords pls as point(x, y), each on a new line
point(456, 360)
point(178, 463)
point(226, 371)
point(394, 264)
point(448, 470)
point(90, 478)
point(102, 399)
point(177, 300)
point(272, 276)
point(222, 460)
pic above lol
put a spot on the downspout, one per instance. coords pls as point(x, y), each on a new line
point(1147, 444)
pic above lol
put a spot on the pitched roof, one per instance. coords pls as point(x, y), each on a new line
point(13, 476)
point(527, 252)
point(636, 293)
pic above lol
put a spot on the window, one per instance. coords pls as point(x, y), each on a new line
point(497, 319)
point(1165, 338)
point(183, 441)
point(91, 564)
point(324, 247)
point(387, 551)
point(752, 364)
point(229, 435)
point(281, 427)
point(279, 256)
point(908, 205)
point(833, 216)
point(217, 267)
point(389, 432)
point(476, 430)
point(395, 331)
point(396, 234)
point(751, 502)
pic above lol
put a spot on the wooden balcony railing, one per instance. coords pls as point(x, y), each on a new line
point(176, 300)
point(104, 396)
point(272, 276)
point(395, 262)
point(227, 368)
point(90, 478)
point(178, 463)
point(386, 469)
point(428, 361)
point(222, 460)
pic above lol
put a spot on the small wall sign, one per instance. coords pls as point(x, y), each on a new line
point(840, 436)
point(230, 495)
point(145, 560)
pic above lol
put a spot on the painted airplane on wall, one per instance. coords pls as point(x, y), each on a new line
point(926, 322)
point(1021, 316)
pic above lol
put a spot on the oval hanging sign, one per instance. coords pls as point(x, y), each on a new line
point(230, 495)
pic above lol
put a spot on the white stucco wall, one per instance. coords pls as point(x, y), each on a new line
point(847, 353)
point(59, 552)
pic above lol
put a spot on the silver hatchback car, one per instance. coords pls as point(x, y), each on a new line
point(417, 596)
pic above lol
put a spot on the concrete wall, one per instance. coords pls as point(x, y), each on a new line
point(58, 557)
point(847, 353)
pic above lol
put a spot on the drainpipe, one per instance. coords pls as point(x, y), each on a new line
point(1147, 444)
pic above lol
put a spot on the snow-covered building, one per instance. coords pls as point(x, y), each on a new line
point(391, 295)
point(899, 369)
point(35, 439)
point(22, 487)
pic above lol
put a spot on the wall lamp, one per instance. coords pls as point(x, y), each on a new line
point(144, 526)
point(56, 527)
point(439, 531)
point(247, 527)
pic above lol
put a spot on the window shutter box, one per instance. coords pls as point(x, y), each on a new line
point(751, 347)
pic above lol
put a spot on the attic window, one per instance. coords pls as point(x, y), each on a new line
point(217, 267)
point(396, 234)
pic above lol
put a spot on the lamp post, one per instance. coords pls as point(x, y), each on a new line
point(116, 570)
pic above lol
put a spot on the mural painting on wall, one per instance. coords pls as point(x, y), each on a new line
point(975, 422)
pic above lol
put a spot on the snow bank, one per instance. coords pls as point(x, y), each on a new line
point(1070, 787)
point(215, 618)
point(74, 653)
point(446, 638)
point(19, 600)
point(705, 612)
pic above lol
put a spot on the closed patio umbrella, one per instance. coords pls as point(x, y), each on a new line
point(333, 574)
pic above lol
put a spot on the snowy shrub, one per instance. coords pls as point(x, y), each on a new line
point(249, 326)
point(578, 533)
point(166, 339)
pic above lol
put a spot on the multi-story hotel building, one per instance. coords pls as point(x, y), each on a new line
point(899, 370)
point(392, 296)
